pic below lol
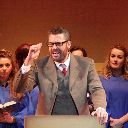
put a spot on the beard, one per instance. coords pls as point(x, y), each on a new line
point(58, 55)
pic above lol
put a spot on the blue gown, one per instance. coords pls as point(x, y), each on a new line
point(26, 106)
point(116, 89)
point(32, 99)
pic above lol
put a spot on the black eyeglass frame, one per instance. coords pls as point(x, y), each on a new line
point(58, 44)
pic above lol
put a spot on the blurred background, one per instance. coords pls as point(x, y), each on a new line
point(94, 24)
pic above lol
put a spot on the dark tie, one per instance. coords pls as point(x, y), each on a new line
point(64, 71)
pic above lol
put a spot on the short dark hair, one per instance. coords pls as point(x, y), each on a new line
point(60, 30)
point(74, 48)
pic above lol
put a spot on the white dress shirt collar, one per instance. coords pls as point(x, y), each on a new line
point(66, 63)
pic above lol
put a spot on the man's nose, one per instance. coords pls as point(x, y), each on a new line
point(54, 46)
point(4, 68)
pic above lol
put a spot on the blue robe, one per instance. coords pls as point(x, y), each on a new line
point(26, 106)
point(32, 99)
point(116, 89)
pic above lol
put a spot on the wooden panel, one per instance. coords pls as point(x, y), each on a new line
point(62, 122)
point(99, 67)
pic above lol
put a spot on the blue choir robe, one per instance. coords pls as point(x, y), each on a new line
point(116, 89)
point(27, 106)
point(31, 99)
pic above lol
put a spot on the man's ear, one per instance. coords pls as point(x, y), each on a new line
point(69, 43)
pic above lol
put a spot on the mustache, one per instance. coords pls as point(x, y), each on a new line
point(56, 50)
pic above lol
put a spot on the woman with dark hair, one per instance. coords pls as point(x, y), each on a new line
point(115, 83)
point(10, 117)
point(20, 55)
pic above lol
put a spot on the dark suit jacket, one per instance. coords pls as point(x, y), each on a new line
point(83, 78)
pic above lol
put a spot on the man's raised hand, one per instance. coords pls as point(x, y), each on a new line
point(33, 53)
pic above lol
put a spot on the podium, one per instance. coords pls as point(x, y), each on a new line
point(48, 121)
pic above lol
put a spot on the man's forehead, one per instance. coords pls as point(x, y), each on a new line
point(56, 37)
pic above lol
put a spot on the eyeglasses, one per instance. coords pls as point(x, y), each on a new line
point(58, 44)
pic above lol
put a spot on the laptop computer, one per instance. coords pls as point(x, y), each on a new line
point(48, 121)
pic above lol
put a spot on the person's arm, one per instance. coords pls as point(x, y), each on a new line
point(124, 119)
point(118, 122)
point(25, 79)
point(95, 87)
point(97, 93)
point(24, 82)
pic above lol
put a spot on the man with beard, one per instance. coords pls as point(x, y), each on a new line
point(63, 79)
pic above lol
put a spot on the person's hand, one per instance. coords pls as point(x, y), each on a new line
point(1, 118)
point(33, 53)
point(101, 114)
point(115, 123)
point(8, 118)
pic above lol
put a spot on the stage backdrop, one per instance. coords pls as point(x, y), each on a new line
point(94, 24)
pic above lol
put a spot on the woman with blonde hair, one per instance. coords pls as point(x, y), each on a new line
point(115, 83)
